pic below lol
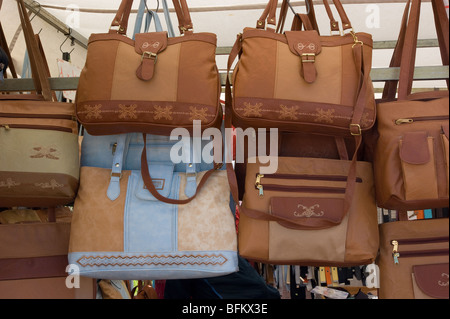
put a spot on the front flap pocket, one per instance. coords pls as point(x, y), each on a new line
point(431, 281)
point(307, 212)
point(418, 166)
point(161, 174)
point(414, 148)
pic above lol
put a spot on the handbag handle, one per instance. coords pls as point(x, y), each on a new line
point(270, 11)
point(120, 22)
point(404, 55)
point(149, 15)
point(151, 188)
point(39, 72)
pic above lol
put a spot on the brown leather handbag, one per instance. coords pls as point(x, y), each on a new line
point(38, 140)
point(302, 80)
point(413, 259)
point(152, 84)
point(306, 214)
point(411, 158)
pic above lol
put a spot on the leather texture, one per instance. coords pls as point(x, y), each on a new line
point(42, 170)
point(420, 276)
point(313, 228)
point(121, 231)
point(33, 259)
point(280, 78)
point(165, 83)
point(411, 153)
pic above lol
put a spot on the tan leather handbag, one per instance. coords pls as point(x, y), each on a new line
point(152, 84)
point(301, 80)
point(411, 158)
point(303, 215)
point(413, 259)
point(38, 140)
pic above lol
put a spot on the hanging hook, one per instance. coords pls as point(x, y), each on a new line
point(308, 8)
point(68, 36)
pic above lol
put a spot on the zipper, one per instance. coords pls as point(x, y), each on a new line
point(420, 119)
point(311, 189)
point(417, 253)
point(36, 127)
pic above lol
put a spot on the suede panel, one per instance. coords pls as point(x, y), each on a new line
point(94, 209)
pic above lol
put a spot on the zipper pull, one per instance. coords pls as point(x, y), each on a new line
point(258, 184)
point(395, 252)
point(404, 121)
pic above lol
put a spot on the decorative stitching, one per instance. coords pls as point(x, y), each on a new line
point(253, 110)
point(93, 112)
point(197, 114)
point(308, 211)
point(165, 112)
point(9, 183)
point(287, 112)
point(444, 283)
point(324, 115)
point(127, 111)
point(52, 184)
point(45, 152)
point(155, 260)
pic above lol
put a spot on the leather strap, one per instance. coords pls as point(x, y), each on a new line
point(39, 71)
point(149, 184)
point(120, 22)
point(4, 46)
point(405, 51)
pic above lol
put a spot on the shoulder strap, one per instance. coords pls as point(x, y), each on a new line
point(4, 46)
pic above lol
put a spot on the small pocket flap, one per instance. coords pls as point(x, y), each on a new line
point(308, 213)
point(414, 148)
point(153, 42)
point(161, 174)
point(433, 280)
point(304, 42)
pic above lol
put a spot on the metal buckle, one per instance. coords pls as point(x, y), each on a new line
point(359, 129)
point(119, 175)
point(149, 55)
point(305, 57)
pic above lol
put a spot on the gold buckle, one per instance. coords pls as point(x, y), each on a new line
point(149, 55)
point(307, 55)
point(359, 129)
point(119, 175)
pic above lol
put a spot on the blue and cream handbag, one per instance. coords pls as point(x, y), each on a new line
point(121, 231)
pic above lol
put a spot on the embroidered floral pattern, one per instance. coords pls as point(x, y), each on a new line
point(253, 110)
point(163, 112)
point(127, 261)
point(325, 116)
point(45, 152)
point(93, 112)
point(127, 111)
point(444, 283)
point(52, 184)
point(197, 114)
point(308, 211)
point(9, 183)
point(287, 112)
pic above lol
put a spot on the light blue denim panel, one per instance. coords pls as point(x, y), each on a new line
point(151, 225)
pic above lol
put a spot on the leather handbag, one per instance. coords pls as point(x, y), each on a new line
point(413, 259)
point(125, 227)
point(411, 158)
point(280, 79)
point(38, 140)
point(165, 83)
point(306, 214)
point(33, 257)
